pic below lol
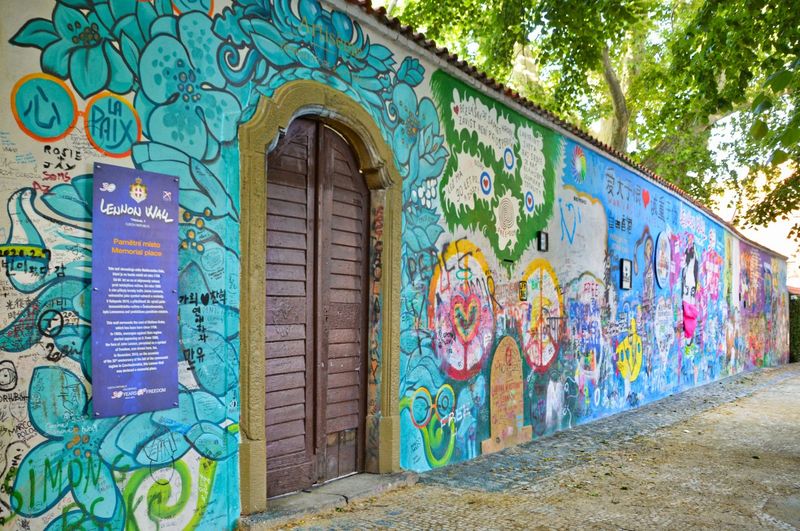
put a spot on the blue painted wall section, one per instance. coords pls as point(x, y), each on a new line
point(163, 85)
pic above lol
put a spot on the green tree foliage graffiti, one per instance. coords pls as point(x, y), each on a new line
point(517, 163)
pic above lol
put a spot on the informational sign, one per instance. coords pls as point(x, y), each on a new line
point(134, 291)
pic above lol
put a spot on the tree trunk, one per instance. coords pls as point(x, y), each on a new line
point(619, 125)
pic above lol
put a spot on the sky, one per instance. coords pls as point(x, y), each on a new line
point(774, 235)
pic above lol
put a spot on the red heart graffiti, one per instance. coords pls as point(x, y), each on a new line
point(455, 109)
point(645, 197)
point(465, 316)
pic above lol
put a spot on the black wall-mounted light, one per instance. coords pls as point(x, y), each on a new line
point(542, 241)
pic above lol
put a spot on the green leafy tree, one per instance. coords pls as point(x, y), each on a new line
point(660, 78)
point(742, 57)
point(577, 48)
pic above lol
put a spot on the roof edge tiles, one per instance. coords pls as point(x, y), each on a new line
point(421, 40)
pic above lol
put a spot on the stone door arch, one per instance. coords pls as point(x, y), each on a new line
point(257, 137)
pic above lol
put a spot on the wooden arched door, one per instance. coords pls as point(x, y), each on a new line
point(316, 308)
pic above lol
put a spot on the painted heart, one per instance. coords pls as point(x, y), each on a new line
point(573, 215)
point(465, 315)
point(455, 109)
point(645, 197)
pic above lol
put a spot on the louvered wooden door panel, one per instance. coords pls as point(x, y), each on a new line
point(345, 304)
point(317, 249)
point(290, 375)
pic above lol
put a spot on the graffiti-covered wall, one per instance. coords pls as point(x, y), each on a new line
point(499, 342)
point(630, 294)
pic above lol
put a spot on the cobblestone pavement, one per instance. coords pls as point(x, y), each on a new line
point(725, 455)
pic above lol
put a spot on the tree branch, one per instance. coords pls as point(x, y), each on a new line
point(667, 143)
point(619, 126)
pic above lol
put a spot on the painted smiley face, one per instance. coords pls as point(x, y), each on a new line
point(8, 376)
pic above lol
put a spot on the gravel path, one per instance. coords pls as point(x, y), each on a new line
point(725, 455)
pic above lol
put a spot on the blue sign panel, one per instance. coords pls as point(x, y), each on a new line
point(134, 291)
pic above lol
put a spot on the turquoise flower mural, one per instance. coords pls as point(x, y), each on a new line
point(416, 136)
point(308, 42)
point(77, 47)
point(193, 78)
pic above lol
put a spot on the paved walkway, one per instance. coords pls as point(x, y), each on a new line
point(726, 455)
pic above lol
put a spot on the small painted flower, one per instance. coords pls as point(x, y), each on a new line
point(415, 122)
point(78, 47)
point(183, 102)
